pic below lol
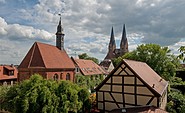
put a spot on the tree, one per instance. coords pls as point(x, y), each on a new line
point(38, 95)
point(176, 102)
point(157, 57)
point(182, 53)
point(86, 57)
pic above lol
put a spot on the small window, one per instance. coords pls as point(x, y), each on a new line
point(77, 69)
point(55, 77)
point(11, 73)
point(61, 76)
point(68, 76)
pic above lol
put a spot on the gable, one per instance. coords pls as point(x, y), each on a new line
point(47, 56)
point(147, 78)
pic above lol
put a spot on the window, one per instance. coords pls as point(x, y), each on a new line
point(67, 76)
point(77, 69)
point(61, 77)
point(11, 73)
point(55, 77)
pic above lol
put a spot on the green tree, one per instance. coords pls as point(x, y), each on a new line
point(38, 95)
point(181, 56)
point(176, 102)
point(86, 57)
point(157, 57)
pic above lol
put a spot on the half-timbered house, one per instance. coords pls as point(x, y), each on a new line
point(130, 84)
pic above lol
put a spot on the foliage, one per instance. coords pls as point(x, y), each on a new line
point(86, 57)
point(89, 82)
point(157, 57)
point(176, 102)
point(3, 92)
point(38, 95)
point(181, 56)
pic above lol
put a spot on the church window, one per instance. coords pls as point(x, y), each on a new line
point(55, 77)
point(61, 76)
point(67, 76)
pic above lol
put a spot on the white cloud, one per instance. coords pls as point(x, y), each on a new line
point(16, 31)
point(147, 21)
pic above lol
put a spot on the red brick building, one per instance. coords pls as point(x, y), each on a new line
point(52, 62)
point(8, 74)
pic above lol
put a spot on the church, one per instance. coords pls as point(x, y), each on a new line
point(114, 52)
point(51, 62)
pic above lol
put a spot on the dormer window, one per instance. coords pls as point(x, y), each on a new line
point(11, 73)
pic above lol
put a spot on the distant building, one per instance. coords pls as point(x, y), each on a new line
point(8, 74)
point(52, 62)
point(113, 52)
point(87, 67)
point(131, 84)
point(107, 65)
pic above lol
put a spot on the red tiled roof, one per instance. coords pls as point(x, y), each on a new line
point(88, 67)
point(46, 56)
point(4, 73)
point(148, 75)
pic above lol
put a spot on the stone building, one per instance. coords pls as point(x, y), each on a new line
point(114, 52)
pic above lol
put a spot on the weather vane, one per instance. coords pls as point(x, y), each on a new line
point(60, 15)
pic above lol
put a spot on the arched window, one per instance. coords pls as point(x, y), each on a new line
point(68, 76)
point(55, 77)
point(61, 76)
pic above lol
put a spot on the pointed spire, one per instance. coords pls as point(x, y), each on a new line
point(59, 27)
point(124, 42)
point(60, 36)
point(124, 33)
point(112, 40)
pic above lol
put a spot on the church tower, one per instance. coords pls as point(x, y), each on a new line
point(60, 36)
point(123, 43)
point(112, 46)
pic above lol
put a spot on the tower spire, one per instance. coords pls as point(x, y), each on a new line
point(112, 40)
point(112, 46)
point(60, 36)
point(124, 42)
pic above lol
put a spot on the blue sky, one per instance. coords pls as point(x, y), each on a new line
point(87, 25)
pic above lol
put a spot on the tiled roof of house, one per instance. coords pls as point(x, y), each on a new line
point(88, 67)
point(46, 56)
point(139, 109)
point(148, 75)
point(4, 72)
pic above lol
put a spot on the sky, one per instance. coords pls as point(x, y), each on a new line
point(87, 25)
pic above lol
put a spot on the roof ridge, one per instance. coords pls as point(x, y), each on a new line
point(32, 54)
point(41, 53)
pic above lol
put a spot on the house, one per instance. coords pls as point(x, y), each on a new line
point(107, 65)
point(87, 67)
point(52, 62)
point(139, 109)
point(131, 84)
point(8, 74)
